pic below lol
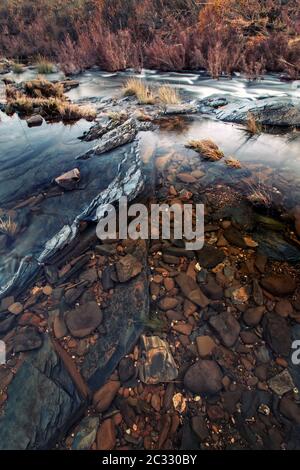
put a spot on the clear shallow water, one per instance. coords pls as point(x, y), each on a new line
point(30, 158)
point(102, 84)
point(269, 161)
point(43, 152)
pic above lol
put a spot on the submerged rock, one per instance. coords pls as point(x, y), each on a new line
point(281, 383)
point(83, 320)
point(103, 398)
point(86, 433)
point(128, 267)
point(279, 284)
point(191, 290)
point(204, 376)
point(275, 246)
point(227, 327)
point(210, 256)
point(69, 180)
point(27, 339)
point(277, 334)
point(42, 402)
point(106, 435)
point(124, 319)
point(158, 364)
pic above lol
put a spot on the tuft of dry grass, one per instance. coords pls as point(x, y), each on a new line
point(233, 163)
point(136, 87)
point(207, 149)
point(51, 108)
point(168, 95)
point(73, 112)
point(44, 66)
point(11, 92)
point(48, 98)
point(17, 68)
point(260, 197)
point(253, 126)
point(41, 88)
point(8, 227)
point(117, 116)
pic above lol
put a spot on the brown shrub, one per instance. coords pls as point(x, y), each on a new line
point(221, 36)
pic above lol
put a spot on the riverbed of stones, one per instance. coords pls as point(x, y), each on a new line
point(221, 322)
point(212, 368)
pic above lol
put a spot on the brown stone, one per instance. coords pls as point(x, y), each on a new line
point(104, 397)
point(155, 402)
point(191, 290)
point(204, 376)
point(164, 431)
point(186, 178)
point(16, 308)
point(83, 320)
point(128, 267)
point(279, 284)
point(227, 327)
point(169, 283)
point(106, 435)
point(168, 303)
point(205, 346)
point(183, 328)
point(253, 316)
point(284, 308)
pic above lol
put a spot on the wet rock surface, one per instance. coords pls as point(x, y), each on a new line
point(29, 420)
point(154, 346)
point(270, 111)
point(84, 320)
point(204, 377)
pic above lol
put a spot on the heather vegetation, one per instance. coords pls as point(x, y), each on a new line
point(221, 36)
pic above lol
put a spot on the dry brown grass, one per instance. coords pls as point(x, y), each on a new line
point(233, 163)
point(17, 68)
point(8, 227)
point(11, 92)
point(70, 111)
point(41, 88)
point(117, 116)
point(207, 149)
point(260, 197)
point(50, 108)
point(253, 126)
point(168, 95)
point(44, 66)
point(48, 98)
point(136, 87)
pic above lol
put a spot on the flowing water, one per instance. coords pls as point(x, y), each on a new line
point(31, 158)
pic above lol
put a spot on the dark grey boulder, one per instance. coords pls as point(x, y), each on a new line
point(275, 111)
point(42, 402)
point(123, 320)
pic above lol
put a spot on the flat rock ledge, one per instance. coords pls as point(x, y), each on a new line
point(282, 111)
point(43, 402)
point(48, 395)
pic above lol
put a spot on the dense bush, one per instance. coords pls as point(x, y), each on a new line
point(221, 36)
